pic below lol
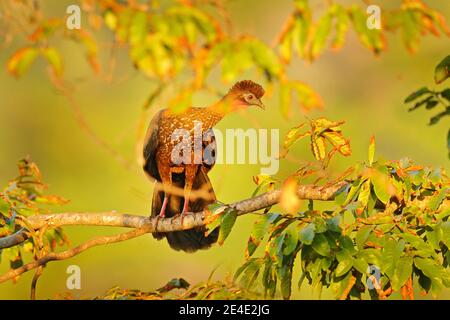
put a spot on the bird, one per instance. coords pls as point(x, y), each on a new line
point(198, 157)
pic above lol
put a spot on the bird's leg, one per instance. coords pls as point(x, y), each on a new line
point(190, 172)
point(166, 177)
point(162, 212)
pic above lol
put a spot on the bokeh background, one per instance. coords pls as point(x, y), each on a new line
point(365, 91)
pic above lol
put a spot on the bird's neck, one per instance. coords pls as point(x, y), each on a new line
point(224, 106)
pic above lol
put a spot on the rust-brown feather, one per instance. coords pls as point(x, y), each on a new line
point(187, 176)
point(249, 86)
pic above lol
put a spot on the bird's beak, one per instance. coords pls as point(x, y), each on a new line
point(261, 105)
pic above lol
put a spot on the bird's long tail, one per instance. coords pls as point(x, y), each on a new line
point(188, 240)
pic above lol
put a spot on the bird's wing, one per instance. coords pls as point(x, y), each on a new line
point(209, 149)
point(151, 142)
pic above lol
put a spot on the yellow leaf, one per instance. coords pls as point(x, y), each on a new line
point(371, 150)
point(308, 98)
point(21, 60)
point(345, 149)
point(364, 194)
point(292, 137)
point(54, 59)
point(323, 123)
point(318, 147)
point(339, 142)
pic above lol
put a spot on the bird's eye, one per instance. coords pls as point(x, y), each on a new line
point(250, 97)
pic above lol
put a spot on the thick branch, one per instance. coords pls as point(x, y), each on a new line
point(141, 225)
point(155, 224)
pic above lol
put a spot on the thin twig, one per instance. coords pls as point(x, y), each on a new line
point(52, 256)
point(84, 125)
point(34, 282)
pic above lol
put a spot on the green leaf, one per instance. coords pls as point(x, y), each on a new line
point(362, 235)
point(320, 245)
point(391, 253)
point(420, 103)
point(436, 200)
point(371, 38)
point(342, 26)
point(438, 275)
point(226, 224)
point(417, 94)
point(448, 143)
point(380, 182)
point(291, 239)
point(260, 229)
point(285, 275)
point(138, 27)
point(322, 31)
point(371, 256)
point(249, 272)
point(445, 229)
point(442, 71)
point(320, 225)
point(269, 279)
point(418, 244)
point(307, 234)
point(235, 61)
point(431, 104)
point(403, 271)
point(302, 27)
point(353, 190)
point(265, 58)
point(345, 263)
point(439, 116)
point(446, 94)
point(410, 26)
point(333, 224)
point(361, 265)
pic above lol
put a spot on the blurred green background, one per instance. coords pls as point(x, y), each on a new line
point(365, 91)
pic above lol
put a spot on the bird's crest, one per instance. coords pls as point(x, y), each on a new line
point(248, 85)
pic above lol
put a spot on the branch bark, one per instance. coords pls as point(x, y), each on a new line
point(155, 224)
point(142, 224)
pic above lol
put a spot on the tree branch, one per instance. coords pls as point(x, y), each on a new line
point(155, 224)
point(141, 224)
point(52, 256)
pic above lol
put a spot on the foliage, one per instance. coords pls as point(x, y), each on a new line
point(391, 219)
point(181, 289)
point(22, 197)
point(180, 43)
point(432, 99)
point(322, 131)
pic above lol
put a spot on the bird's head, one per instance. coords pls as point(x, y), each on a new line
point(244, 94)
